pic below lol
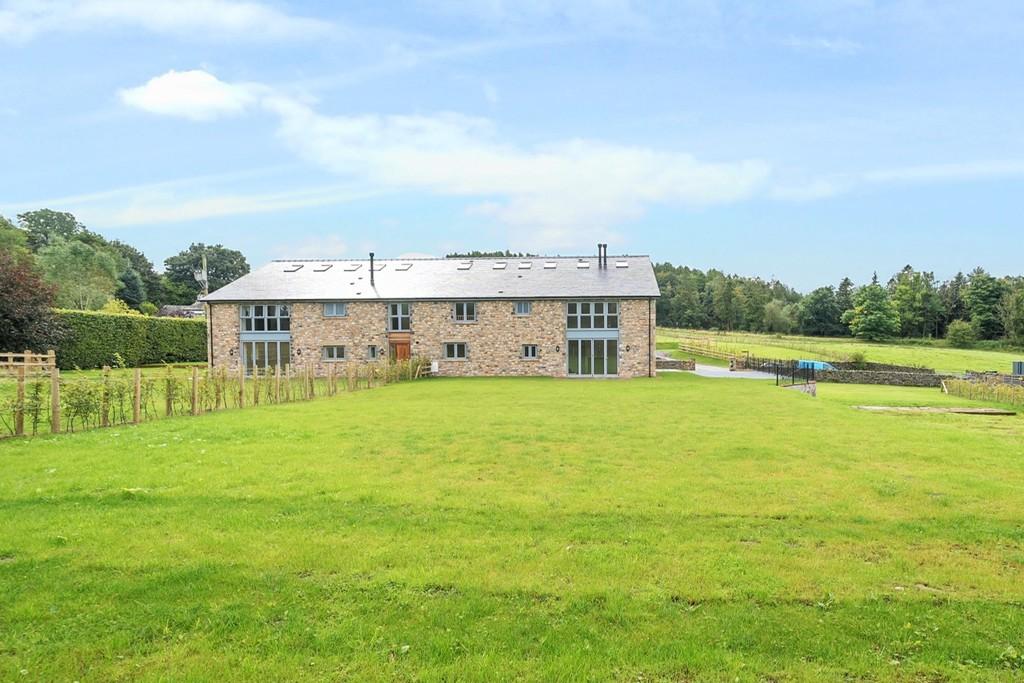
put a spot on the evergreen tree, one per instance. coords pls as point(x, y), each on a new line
point(982, 298)
point(873, 316)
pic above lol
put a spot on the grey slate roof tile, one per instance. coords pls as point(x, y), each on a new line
point(442, 279)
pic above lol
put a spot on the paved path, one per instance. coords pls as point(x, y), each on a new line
point(724, 373)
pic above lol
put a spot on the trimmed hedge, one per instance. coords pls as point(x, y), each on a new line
point(92, 339)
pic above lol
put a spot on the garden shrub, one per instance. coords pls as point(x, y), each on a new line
point(96, 339)
point(960, 334)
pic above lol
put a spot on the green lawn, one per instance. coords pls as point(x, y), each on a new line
point(673, 529)
point(917, 353)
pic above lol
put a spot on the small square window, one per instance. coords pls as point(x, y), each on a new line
point(335, 310)
point(524, 307)
point(334, 352)
point(529, 351)
point(372, 352)
point(455, 351)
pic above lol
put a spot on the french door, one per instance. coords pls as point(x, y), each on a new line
point(593, 357)
point(265, 355)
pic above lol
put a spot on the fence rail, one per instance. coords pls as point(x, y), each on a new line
point(11, 362)
point(40, 402)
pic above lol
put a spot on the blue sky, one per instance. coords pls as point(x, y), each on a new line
point(804, 140)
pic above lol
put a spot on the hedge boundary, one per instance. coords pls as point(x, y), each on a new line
point(93, 339)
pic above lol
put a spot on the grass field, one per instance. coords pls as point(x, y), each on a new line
point(673, 529)
point(931, 355)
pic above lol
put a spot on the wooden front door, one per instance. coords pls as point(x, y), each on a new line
point(400, 350)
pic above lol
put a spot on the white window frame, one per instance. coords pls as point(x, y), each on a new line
point(329, 353)
point(464, 311)
point(258, 318)
point(372, 352)
point(335, 309)
point(453, 347)
point(593, 315)
point(529, 349)
point(524, 308)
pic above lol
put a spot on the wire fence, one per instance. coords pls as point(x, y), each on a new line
point(34, 402)
point(986, 389)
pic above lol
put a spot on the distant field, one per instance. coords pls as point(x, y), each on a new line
point(936, 356)
point(669, 529)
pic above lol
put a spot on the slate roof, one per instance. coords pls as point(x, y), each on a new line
point(559, 277)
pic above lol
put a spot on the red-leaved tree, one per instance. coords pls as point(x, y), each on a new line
point(26, 318)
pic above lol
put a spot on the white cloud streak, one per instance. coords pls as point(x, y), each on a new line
point(24, 20)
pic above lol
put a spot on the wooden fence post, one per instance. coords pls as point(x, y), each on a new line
point(105, 398)
point(51, 359)
point(19, 406)
point(169, 394)
point(311, 374)
point(54, 399)
point(277, 384)
point(241, 386)
point(137, 398)
point(195, 390)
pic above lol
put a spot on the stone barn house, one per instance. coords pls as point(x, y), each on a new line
point(554, 316)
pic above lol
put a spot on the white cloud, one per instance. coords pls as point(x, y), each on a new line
point(195, 95)
point(22, 20)
point(555, 195)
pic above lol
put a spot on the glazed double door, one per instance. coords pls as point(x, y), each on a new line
point(593, 357)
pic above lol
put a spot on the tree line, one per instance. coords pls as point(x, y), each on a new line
point(911, 304)
point(50, 259)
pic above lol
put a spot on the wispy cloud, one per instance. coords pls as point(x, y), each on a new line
point(187, 199)
point(23, 20)
point(553, 195)
point(839, 46)
point(973, 170)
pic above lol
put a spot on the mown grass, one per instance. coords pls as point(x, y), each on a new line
point(918, 353)
point(671, 529)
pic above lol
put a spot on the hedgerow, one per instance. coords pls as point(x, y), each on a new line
point(96, 339)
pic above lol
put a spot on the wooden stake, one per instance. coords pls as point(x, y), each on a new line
point(277, 384)
point(19, 406)
point(105, 398)
point(241, 386)
point(195, 390)
point(169, 394)
point(54, 399)
point(137, 398)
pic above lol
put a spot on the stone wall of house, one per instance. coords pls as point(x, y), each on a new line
point(223, 320)
point(364, 325)
point(494, 342)
point(636, 338)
